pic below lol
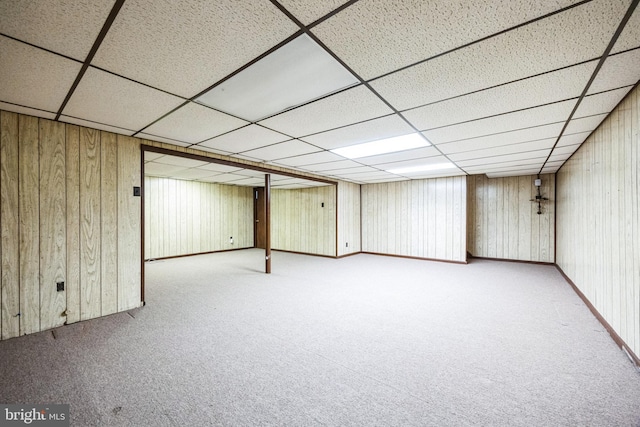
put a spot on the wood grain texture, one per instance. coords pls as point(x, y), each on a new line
point(420, 218)
point(598, 222)
point(348, 218)
point(129, 232)
point(90, 221)
point(179, 210)
point(300, 223)
point(29, 189)
point(73, 222)
point(53, 235)
point(503, 222)
point(109, 222)
point(9, 228)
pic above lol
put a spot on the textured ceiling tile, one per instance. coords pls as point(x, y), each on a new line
point(630, 36)
point(519, 120)
point(344, 108)
point(186, 46)
point(372, 175)
point(507, 166)
point(504, 158)
point(25, 110)
point(378, 36)
point(158, 169)
point(94, 125)
point(68, 27)
point(347, 173)
point(562, 151)
point(573, 139)
point(585, 123)
point(418, 153)
point(227, 177)
point(618, 70)
point(308, 11)
point(151, 156)
point(194, 123)
point(244, 139)
point(185, 162)
point(552, 87)
point(517, 172)
point(502, 139)
point(371, 130)
point(601, 103)
point(193, 174)
point(413, 162)
point(436, 174)
point(331, 166)
point(161, 139)
point(281, 150)
point(579, 34)
point(103, 97)
point(310, 159)
point(504, 149)
point(219, 168)
point(32, 77)
point(393, 178)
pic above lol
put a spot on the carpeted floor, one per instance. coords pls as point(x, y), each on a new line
point(363, 341)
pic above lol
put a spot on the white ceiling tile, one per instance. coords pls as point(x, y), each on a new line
point(618, 70)
point(94, 125)
point(161, 139)
point(330, 166)
point(371, 130)
point(244, 139)
point(413, 162)
point(585, 124)
point(547, 88)
point(194, 123)
point(378, 175)
point(308, 11)
point(504, 158)
point(344, 108)
point(516, 172)
point(248, 182)
point(224, 178)
point(436, 174)
point(105, 98)
point(354, 172)
point(159, 169)
point(630, 36)
point(150, 156)
point(26, 110)
point(185, 162)
point(281, 150)
point(381, 181)
point(34, 78)
point(186, 46)
point(600, 103)
point(519, 121)
point(507, 166)
point(378, 36)
point(417, 153)
point(63, 26)
point(573, 139)
point(579, 34)
point(219, 168)
point(211, 150)
point(310, 159)
point(523, 147)
point(563, 151)
point(297, 73)
point(193, 174)
point(539, 133)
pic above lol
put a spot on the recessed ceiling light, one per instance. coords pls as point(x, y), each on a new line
point(298, 72)
point(383, 146)
point(422, 168)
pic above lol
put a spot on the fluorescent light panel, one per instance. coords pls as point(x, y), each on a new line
point(298, 72)
point(422, 168)
point(383, 146)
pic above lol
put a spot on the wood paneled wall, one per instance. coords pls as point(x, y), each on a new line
point(300, 223)
point(598, 219)
point(348, 218)
point(503, 222)
point(189, 217)
point(67, 214)
point(419, 218)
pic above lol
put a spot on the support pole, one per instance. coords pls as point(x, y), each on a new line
point(267, 219)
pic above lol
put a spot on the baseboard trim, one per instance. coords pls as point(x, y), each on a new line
point(523, 261)
point(415, 257)
point(616, 338)
point(348, 255)
point(304, 253)
point(196, 253)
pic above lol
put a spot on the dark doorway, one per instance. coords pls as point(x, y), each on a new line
point(259, 217)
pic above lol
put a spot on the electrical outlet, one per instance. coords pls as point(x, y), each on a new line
point(347, 245)
point(60, 286)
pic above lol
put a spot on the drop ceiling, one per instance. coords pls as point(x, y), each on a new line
point(502, 87)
